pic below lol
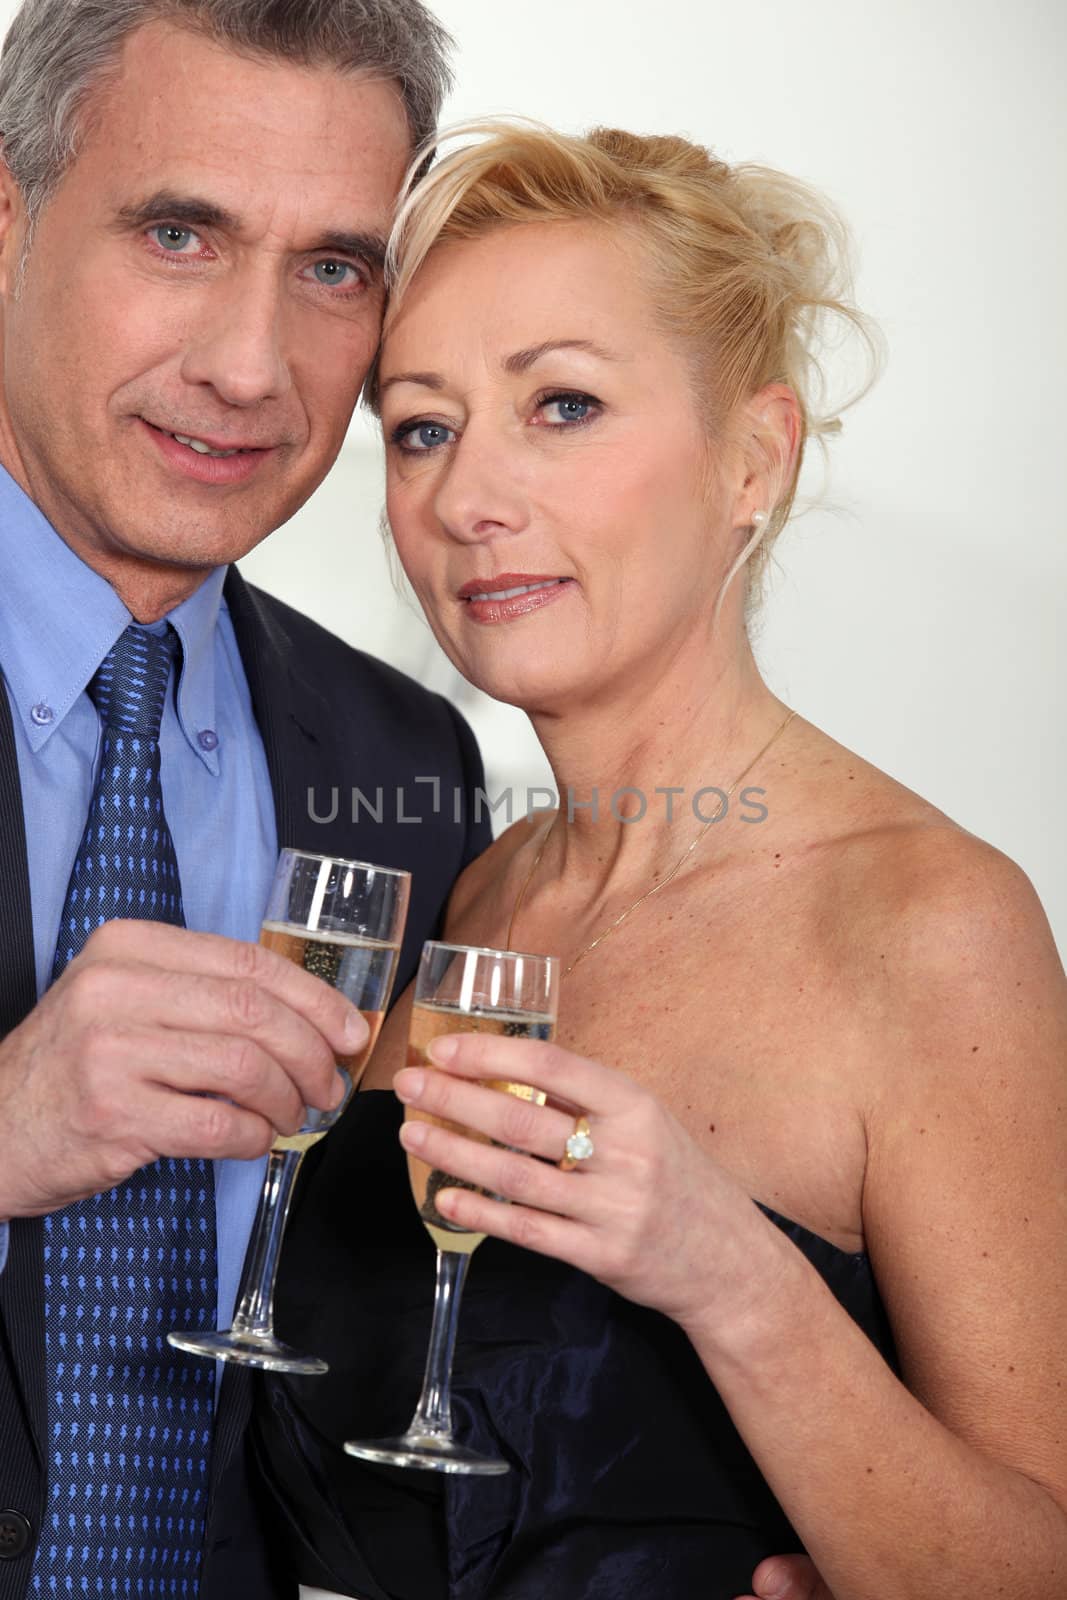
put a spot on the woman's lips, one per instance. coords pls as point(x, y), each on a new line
point(510, 595)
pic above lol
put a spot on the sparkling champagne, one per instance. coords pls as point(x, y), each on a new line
point(362, 969)
point(429, 1020)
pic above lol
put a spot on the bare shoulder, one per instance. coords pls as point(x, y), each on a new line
point(962, 1006)
point(938, 947)
point(894, 872)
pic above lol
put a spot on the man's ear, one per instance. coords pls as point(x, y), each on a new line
point(12, 229)
point(771, 439)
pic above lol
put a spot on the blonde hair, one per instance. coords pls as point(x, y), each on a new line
point(751, 269)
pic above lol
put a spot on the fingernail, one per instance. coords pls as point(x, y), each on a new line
point(356, 1031)
point(342, 1084)
point(774, 1585)
point(409, 1083)
point(413, 1135)
point(442, 1051)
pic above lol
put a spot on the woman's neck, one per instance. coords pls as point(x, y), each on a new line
point(663, 755)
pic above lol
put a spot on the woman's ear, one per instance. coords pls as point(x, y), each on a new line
point(770, 428)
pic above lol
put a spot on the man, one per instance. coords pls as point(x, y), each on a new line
point(193, 210)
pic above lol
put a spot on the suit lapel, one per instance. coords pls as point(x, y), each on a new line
point(18, 980)
point(21, 1283)
point(291, 717)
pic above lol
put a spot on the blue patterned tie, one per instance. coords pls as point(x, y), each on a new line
point(129, 1419)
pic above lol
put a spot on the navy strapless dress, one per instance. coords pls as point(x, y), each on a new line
point(628, 1476)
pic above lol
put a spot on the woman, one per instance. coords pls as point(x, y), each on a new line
point(788, 979)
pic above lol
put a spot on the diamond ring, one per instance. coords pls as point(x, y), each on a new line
point(579, 1146)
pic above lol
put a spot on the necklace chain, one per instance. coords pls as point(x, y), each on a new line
point(656, 887)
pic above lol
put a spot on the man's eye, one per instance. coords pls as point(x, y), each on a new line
point(172, 238)
point(418, 437)
point(336, 274)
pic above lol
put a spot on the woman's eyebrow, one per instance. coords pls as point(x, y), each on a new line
point(517, 363)
point(522, 360)
point(424, 380)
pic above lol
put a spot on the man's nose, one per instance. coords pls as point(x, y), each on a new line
point(239, 347)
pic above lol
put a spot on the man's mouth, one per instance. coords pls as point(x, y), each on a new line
point(205, 447)
point(200, 447)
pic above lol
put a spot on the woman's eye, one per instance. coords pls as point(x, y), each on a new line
point(561, 409)
point(418, 437)
point(173, 239)
point(336, 274)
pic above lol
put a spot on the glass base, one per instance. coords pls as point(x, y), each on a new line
point(436, 1452)
point(250, 1350)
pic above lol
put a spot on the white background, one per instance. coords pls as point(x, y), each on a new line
point(916, 618)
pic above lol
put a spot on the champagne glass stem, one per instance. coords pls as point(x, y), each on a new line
point(255, 1308)
point(434, 1411)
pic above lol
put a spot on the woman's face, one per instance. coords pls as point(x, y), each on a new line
point(542, 436)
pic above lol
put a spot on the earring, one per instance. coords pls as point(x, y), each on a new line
point(758, 519)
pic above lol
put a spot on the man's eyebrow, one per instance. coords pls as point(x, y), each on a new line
point(189, 209)
point(370, 246)
point(194, 211)
point(516, 364)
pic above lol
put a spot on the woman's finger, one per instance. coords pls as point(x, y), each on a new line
point(504, 1172)
point(530, 1229)
point(586, 1085)
point(791, 1577)
point(507, 1118)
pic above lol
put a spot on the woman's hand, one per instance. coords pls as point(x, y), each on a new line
point(649, 1214)
point(787, 1578)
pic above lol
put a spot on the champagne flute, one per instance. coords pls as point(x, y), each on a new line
point(343, 921)
point(460, 990)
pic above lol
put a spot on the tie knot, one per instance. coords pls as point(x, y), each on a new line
point(129, 688)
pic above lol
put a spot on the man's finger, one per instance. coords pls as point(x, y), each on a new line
point(227, 1066)
point(210, 955)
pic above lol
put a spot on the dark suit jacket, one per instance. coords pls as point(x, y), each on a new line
point(332, 719)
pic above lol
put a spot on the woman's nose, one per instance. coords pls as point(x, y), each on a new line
point(480, 494)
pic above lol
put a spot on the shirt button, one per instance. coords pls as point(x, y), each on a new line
point(15, 1534)
point(207, 738)
point(42, 714)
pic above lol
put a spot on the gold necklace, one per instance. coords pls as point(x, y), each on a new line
point(656, 887)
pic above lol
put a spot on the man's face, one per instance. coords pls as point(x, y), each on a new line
point(209, 267)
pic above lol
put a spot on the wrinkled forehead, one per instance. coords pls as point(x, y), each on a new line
point(181, 105)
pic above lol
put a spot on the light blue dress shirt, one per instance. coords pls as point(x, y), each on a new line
point(58, 620)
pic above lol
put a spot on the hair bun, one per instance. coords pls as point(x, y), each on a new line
point(660, 153)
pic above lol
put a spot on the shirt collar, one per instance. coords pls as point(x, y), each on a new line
point(195, 621)
point(59, 619)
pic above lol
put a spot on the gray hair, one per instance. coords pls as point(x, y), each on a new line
point(57, 52)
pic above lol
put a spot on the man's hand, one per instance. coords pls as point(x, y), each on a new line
point(161, 1042)
point(787, 1578)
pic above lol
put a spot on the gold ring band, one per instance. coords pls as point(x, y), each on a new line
point(579, 1146)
